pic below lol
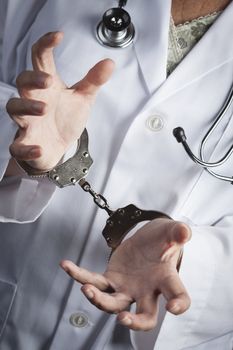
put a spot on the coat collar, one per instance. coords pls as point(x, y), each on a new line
point(201, 60)
point(152, 26)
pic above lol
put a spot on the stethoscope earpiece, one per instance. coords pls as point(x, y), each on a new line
point(115, 29)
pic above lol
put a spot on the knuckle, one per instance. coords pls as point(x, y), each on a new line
point(95, 275)
point(47, 81)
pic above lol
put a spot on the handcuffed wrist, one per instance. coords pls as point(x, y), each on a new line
point(68, 172)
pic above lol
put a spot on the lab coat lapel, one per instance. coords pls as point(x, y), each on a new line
point(202, 59)
point(151, 50)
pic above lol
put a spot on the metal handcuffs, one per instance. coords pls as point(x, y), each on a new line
point(73, 171)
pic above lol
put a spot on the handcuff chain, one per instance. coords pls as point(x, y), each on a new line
point(98, 198)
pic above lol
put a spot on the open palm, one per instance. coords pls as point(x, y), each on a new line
point(141, 268)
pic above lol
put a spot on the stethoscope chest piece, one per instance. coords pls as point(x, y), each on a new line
point(116, 29)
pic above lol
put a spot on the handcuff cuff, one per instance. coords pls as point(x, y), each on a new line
point(73, 171)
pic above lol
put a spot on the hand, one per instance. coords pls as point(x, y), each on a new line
point(141, 268)
point(51, 116)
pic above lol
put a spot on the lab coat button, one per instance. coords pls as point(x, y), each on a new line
point(154, 123)
point(79, 320)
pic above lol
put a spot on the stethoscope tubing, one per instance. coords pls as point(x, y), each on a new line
point(181, 138)
point(117, 31)
point(219, 118)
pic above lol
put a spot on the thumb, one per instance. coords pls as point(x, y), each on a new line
point(178, 233)
point(95, 78)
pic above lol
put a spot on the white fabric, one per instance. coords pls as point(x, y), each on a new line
point(132, 164)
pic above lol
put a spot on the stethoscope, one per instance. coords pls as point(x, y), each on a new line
point(181, 138)
point(116, 30)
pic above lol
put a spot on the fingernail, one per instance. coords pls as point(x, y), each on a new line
point(37, 107)
point(33, 153)
point(175, 309)
point(126, 321)
point(43, 82)
point(89, 294)
point(50, 34)
point(66, 269)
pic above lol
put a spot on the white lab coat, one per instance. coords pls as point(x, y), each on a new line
point(41, 225)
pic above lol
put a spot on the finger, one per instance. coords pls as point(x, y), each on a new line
point(29, 80)
point(113, 303)
point(17, 107)
point(178, 233)
point(84, 276)
point(95, 78)
point(175, 293)
point(25, 153)
point(42, 52)
point(146, 316)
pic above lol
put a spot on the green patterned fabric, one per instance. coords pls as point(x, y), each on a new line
point(183, 37)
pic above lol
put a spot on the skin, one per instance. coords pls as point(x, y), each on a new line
point(186, 10)
point(29, 84)
point(48, 121)
point(154, 252)
point(50, 117)
point(45, 105)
